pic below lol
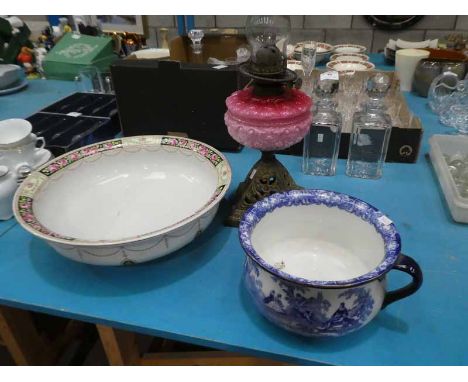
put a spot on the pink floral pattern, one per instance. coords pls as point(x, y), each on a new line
point(26, 211)
point(183, 143)
point(74, 156)
point(25, 203)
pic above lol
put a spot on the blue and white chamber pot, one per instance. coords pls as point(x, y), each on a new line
point(316, 261)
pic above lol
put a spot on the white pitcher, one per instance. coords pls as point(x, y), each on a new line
point(8, 185)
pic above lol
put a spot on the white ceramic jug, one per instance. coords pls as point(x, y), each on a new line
point(8, 185)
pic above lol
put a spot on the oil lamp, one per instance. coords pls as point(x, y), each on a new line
point(268, 115)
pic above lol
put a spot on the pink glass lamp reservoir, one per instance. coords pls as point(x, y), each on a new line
point(267, 123)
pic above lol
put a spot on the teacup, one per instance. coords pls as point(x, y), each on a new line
point(18, 146)
point(14, 132)
point(28, 153)
point(317, 261)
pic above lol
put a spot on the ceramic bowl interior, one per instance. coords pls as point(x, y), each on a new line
point(120, 190)
point(357, 66)
point(349, 57)
point(349, 48)
point(328, 238)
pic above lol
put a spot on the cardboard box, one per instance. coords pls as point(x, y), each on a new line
point(407, 130)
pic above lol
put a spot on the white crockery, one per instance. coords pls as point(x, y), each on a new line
point(323, 51)
point(127, 200)
point(28, 153)
point(12, 173)
point(402, 44)
point(350, 66)
point(9, 75)
point(322, 47)
point(349, 48)
point(8, 184)
point(349, 57)
point(14, 132)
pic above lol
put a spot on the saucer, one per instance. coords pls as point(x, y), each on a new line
point(15, 88)
point(46, 156)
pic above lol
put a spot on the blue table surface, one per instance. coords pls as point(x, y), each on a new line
point(195, 295)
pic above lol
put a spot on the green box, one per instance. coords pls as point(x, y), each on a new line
point(74, 52)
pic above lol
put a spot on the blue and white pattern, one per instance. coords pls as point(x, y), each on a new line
point(344, 202)
point(309, 311)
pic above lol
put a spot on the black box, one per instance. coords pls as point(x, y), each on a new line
point(175, 98)
point(77, 120)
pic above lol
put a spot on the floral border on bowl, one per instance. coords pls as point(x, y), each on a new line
point(369, 65)
point(24, 200)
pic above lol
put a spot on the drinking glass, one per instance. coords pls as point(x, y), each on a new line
point(196, 36)
point(308, 57)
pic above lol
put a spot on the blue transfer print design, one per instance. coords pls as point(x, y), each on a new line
point(310, 316)
point(331, 199)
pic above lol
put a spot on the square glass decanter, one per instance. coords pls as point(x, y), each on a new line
point(322, 143)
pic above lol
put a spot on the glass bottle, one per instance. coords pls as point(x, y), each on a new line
point(322, 142)
point(368, 143)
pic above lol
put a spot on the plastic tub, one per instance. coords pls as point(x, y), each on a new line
point(449, 144)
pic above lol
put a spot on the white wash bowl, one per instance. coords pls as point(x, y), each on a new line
point(127, 200)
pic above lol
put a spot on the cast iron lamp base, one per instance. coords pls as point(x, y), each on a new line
point(268, 176)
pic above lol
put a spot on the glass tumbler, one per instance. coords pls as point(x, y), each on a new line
point(196, 36)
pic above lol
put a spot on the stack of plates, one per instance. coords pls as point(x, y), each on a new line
point(12, 78)
point(349, 58)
